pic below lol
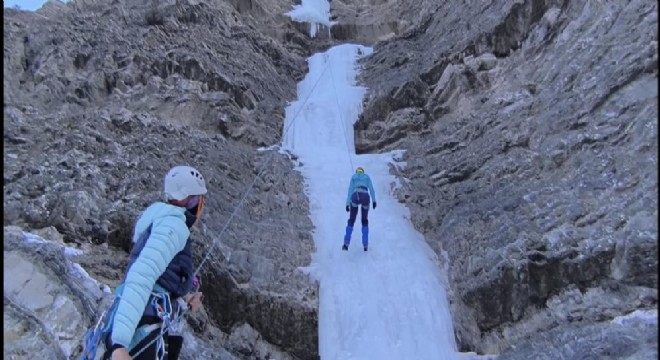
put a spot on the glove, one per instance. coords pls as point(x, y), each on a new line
point(196, 283)
point(194, 301)
point(120, 353)
point(374, 204)
point(348, 208)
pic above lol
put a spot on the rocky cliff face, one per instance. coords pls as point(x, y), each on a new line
point(102, 98)
point(50, 300)
point(531, 164)
point(368, 22)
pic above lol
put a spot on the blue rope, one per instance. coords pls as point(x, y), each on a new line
point(92, 340)
point(94, 335)
point(91, 345)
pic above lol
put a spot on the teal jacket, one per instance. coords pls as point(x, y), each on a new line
point(360, 180)
point(168, 237)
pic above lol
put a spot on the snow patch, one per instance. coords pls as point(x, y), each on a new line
point(315, 12)
point(92, 284)
point(556, 237)
point(32, 238)
point(647, 316)
point(398, 163)
point(81, 272)
point(59, 302)
point(269, 148)
point(311, 271)
point(397, 155)
point(72, 252)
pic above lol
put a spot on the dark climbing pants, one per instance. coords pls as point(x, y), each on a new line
point(359, 199)
point(173, 346)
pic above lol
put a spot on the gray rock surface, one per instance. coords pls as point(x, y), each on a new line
point(182, 61)
point(531, 163)
point(530, 166)
point(48, 304)
point(630, 337)
point(101, 99)
point(371, 21)
point(50, 301)
point(94, 192)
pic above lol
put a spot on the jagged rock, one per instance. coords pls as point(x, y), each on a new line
point(536, 173)
point(246, 341)
point(98, 110)
point(530, 164)
point(395, 131)
point(483, 62)
point(369, 22)
point(45, 292)
point(101, 69)
point(627, 337)
point(50, 303)
point(50, 233)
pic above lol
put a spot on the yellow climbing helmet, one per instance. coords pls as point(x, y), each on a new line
point(359, 170)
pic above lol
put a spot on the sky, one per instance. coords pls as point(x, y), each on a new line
point(388, 302)
point(24, 4)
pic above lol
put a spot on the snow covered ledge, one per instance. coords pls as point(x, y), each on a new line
point(49, 301)
point(315, 12)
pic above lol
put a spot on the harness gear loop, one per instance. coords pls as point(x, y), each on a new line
point(162, 304)
point(163, 309)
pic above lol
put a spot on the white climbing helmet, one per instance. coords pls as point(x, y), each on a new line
point(183, 181)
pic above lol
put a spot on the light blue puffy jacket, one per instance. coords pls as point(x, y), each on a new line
point(169, 235)
point(360, 180)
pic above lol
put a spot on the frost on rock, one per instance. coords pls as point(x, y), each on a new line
point(645, 316)
point(90, 283)
point(71, 252)
point(315, 12)
point(32, 238)
point(275, 147)
point(41, 295)
point(81, 272)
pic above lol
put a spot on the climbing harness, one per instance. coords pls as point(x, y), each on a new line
point(162, 304)
point(164, 310)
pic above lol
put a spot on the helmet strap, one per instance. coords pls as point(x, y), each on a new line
point(190, 219)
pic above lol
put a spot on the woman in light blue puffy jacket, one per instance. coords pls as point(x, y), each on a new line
point(160, 273)
point(359, 190)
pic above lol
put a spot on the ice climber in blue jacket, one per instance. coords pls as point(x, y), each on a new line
point(358, 196)
point(158, 283)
